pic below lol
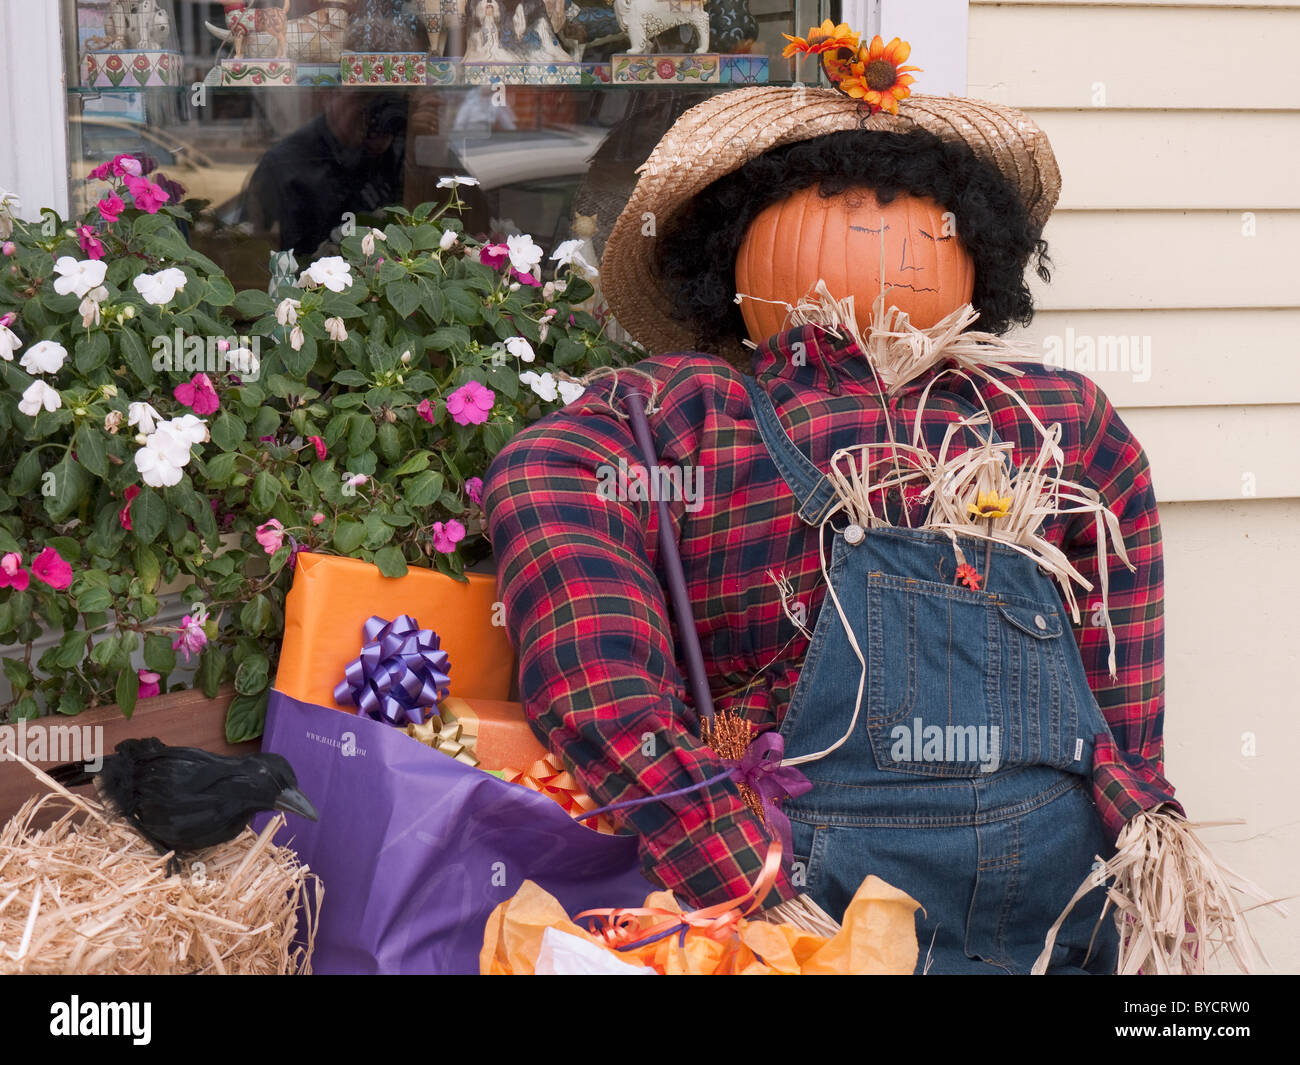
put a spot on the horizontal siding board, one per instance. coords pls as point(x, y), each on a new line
point(1170, 259)
point(1162, 159)
point(1056, 55)
point(1184, 358)
point(1207, 453)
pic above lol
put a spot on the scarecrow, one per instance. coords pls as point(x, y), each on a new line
point(919, 569)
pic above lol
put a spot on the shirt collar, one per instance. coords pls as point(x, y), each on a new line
point(811, 357)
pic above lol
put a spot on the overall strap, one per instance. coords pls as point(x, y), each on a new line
point(815, 494)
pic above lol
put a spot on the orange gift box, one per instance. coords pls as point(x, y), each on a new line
point(498, 731)
point(332, 598)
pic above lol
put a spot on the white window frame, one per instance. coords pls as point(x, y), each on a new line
point(936, 29)
point(33, 106)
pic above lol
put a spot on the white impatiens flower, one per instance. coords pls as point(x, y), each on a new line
point(336, 329)
point(113, 421)
point(167, 450)
point(525, 254)
point(242, 361)
point(160, 288)
point(39, 395)
point(9, 343)
point(296, 339)
point(190, 427)
point(332, 271)
point(46, 357)
point(543, 384)
point(459, 179)
point(449, 237)
point(571, 390)
point(368, 241)
point(79, 278)
point(10, 205)
point(89, 309)
point(520, 348)
point(286, 313)
point(143, 417)
point(569, 253)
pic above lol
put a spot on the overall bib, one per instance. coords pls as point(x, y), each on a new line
point(965, 780)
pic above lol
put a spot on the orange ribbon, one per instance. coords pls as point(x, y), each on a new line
point(625, 929)
point(547, 776)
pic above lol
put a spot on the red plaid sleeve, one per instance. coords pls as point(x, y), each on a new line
point(1128, 774)
point(597, 669)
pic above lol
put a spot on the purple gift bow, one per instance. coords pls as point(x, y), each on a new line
point(400, 674)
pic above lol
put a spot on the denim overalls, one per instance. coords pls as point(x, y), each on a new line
point(965, 780)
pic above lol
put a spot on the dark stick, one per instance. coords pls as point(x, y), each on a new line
point(673, 568)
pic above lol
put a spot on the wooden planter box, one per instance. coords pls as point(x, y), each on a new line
point(182, 719)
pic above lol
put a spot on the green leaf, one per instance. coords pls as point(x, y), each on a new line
point(126, 690)
point(299, 363)
point(27, 471)
point(448, 336)
point(352, 378)
point(252, 303)
point(423, 489)
point(94, 599)
point(464, 306)
point(18, 674)
point(390, 562)
point(404, 295)
point(246, 717)
point(212, 664)
point(91, 352)
point(414, 464)
point(148, 516)
point(71, 703)
point(227, 430)
point(361, 433)
point(222, 467)
point(158, 654)
point(266, 423)
point(255, 617)
point(136, 356)
point(103, 653)
point(398, 242)
point(348, 536)
point(92, 449)
point(147, 567)
point(69, 484)
point(221, 293)
point(266, 490)
point(389, 442)
point(253, 675)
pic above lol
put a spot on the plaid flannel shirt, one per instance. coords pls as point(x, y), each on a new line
point(582, 580)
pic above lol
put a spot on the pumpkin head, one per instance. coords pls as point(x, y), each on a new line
point(806, 238)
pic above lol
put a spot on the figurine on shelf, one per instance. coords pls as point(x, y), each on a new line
point(535, 40)
point(384, 26)
point(242, 20)
point(317, 37)
point(484, 44)
point(732, 26)
point(590, 26)
point(443, 19)
point(644, 20)
point(141, 25)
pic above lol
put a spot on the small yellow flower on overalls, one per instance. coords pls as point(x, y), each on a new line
point(989, 505)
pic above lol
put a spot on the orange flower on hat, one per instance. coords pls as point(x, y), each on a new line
point(878, 77)
point(824, 38)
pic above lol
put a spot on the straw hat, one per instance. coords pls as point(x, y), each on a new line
point(725, 132)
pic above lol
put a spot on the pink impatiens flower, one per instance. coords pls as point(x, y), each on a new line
point(124, 515)
point(192, 639)
point(470, 404)
point(50, 568)
point(90, 242)
point(425, 410)
point(319, 445)
point(148, 684)
point(198, 394)
point(474, 489)
point(147, 196)
point(446, 535)
point(12, 574)
point(494, 255)
point(111, 207)
point(270, 535)
point(317, 518)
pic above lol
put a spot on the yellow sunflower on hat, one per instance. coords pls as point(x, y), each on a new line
point(878, 76)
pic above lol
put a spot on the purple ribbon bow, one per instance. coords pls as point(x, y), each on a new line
point(760, 767)
point(400, 674)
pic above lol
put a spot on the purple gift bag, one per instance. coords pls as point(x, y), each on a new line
point(416, 849)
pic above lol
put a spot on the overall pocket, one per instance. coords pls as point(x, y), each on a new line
point(933, 699)
point(1039, 698)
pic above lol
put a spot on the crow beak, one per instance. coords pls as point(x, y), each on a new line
point(294, 801)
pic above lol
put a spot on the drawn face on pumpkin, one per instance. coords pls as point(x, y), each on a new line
point(796, 242)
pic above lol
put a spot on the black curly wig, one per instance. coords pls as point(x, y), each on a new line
point(699, 246)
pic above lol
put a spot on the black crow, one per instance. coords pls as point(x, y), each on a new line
point(183, 798)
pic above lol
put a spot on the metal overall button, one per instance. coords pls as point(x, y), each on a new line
point(854, 535)
point(1040, 621)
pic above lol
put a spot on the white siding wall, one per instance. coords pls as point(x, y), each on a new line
point(1177, 127)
